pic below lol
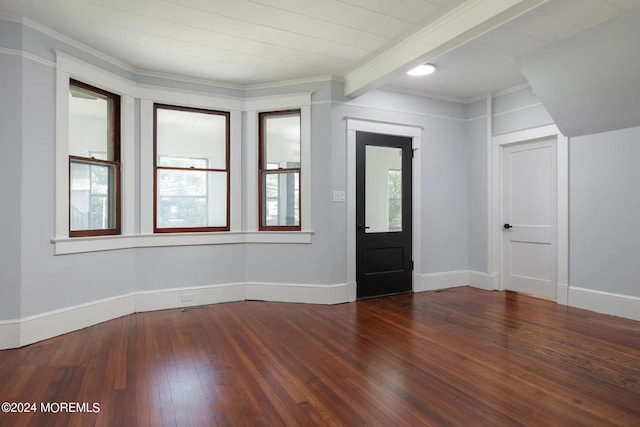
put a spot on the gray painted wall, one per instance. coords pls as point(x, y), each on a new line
point(10, 176)
point(476, 140)
point(444, 197)
point(10, 35)
point(454, 196)
point(518, 110)
point(187, 266)
point(603, 209)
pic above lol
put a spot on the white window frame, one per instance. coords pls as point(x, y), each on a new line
point(150, 96)
point(67, 68)
point(255, 106)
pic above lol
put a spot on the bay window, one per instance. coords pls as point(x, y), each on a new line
point(148, 166)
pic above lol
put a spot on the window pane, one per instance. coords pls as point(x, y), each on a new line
point(383, 189)
point(91, 132)
point(196, 138)
point(395, 200)
point(282, 141)
point(281, 199)
point(188, 199)
point(92, 196)
point(183, 162)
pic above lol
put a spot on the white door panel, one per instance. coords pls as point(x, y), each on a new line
point(526, 257)
point(529, 209)
point(530, 184)
point(528, 233)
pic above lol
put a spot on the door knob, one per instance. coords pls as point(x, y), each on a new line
point(362, 227)
point(507, 226)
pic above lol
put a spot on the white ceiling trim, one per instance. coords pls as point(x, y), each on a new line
point(471, 19)
point(399, 110)
point(511, 90)
point(497, 93)
point(10, 18)
point(74, 43)
point(426, 93)
point(309, 80)
point(27, 55)
point(187, 79)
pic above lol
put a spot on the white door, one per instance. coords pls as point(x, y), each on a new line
point(529, 217)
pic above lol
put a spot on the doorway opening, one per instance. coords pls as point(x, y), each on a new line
point(412, 133)
point(529, 219)
point(383, 214)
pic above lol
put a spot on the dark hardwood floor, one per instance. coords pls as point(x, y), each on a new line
point(460, 357)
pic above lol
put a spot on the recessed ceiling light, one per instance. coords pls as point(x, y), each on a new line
point(422, 70)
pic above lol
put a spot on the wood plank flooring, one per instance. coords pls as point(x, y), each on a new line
point(462, 357)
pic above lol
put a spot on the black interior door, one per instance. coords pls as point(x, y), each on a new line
point(383, 214)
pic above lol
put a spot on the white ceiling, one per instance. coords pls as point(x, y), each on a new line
point(250, 42)
point(486, 63)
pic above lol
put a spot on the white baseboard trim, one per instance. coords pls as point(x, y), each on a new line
point(199, 295)
point(444, 280)
point(605, 302)
point(28, 330)
point(9, 334)
point(309, 294)
point(562, 294)
point(47, 325)
point(480, 280)
point(453, 279)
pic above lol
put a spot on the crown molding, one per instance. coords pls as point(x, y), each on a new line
point(76, 44)
point(187, 79)
point(424, 93)
point(306, 80)
point(513, 89)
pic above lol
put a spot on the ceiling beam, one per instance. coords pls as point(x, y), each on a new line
point(464, 23)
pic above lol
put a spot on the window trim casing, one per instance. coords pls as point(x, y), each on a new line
point(262, 170)
point(227, 170)
point(116, 163)
point(68, 68)
point(150, 95)
point(294, 101)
